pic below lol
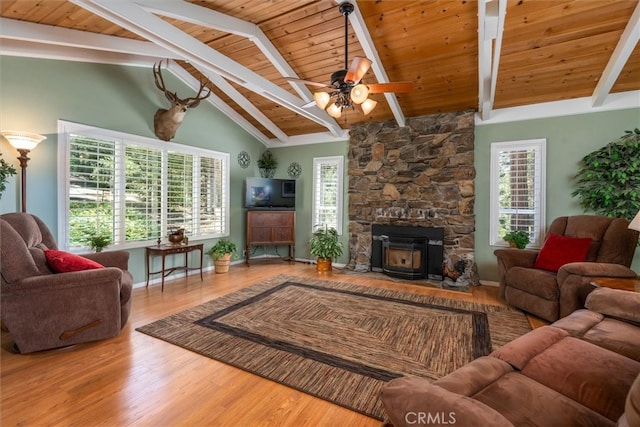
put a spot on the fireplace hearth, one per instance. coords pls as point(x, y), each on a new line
point(408, 252)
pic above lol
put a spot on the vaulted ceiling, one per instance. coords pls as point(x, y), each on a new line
point(486, 55)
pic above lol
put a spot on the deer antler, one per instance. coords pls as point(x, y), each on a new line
point(157, 74)
point(193, 102)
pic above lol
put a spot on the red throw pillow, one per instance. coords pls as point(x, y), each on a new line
point(560, 250)
point(64, 262)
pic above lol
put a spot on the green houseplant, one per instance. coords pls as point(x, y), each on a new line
point(98, 242)
point(517, 239)
point(325, 246)
point(608, 181)
point(267, 164)
point(221, 253)
point(6, 170)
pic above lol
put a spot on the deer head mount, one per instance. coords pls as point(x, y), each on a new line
point(166, 122)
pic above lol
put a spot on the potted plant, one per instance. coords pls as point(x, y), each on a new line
point(98, 242)
point(6, 170)
point(221, 253)
point(267, 164)
point(608, 182)
point(517, 239)
point(325, 246)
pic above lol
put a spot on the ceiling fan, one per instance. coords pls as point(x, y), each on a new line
point(347, 88)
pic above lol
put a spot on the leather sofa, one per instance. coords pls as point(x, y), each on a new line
point(44, 309)
point(552, 295)
point(583, 370)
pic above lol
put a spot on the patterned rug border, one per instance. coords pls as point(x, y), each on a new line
point(182, 329)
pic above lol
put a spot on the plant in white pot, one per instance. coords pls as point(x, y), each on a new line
point(325, 246)
point(222, 252)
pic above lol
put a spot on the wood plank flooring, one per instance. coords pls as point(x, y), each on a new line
point(136, 380)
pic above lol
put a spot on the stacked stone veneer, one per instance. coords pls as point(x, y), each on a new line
point(420, 175)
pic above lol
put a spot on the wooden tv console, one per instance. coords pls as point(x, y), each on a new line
point(271, 227)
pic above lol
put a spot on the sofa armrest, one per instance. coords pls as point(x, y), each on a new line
point(574, 282)
point(409, 400)
point(61, 282)
point(118, 259)
point(616, 303)
point(516, 257)
point(595, 269)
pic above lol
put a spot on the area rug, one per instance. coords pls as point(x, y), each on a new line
point(337, 341)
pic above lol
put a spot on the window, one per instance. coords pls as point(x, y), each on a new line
point(517, 189)
point(135, 190)
point(327, 191)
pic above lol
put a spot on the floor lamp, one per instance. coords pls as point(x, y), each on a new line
point(23, 142)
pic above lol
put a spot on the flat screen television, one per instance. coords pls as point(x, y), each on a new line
point(270, 193)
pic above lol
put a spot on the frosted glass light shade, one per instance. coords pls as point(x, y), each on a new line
point(368, 106)
point(23, 140)
point(359, 93)
point(635, 222)
point(334, 111)
point(322, 99)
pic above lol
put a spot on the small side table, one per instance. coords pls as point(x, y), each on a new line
point(616, 283)
point(169, 249)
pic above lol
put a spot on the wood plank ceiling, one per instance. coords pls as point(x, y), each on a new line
point(482, 55)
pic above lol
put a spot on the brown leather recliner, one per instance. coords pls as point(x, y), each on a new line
point(550, 295)
point(44, 310)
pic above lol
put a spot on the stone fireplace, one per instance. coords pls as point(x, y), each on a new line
point(420, 175)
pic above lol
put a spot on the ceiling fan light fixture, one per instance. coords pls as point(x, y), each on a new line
point(322, 99)
point(334, 111)
point(368, 105)
point(359, 93)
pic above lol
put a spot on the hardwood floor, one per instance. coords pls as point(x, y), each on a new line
point(134, 379)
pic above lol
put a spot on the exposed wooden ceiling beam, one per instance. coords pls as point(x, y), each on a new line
point(619, 58)
point(190, 80)
point(362, 33)
point(134, 18)
point(10, 29)
point(491, 16)
point(189, 12)
point(24, 38)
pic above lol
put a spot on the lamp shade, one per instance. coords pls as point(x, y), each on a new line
point(334, 111)
point(635, 222)
point(359, 93)
point(23, 140)
point(322, 99)
point(368, 106)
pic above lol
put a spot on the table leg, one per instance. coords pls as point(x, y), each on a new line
point(186, 265)
point(201, 259)
point(146, 266)
point(162, 273)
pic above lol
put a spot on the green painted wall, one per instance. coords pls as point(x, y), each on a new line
point(36, 93)
point(569, 139)
point(304, 154)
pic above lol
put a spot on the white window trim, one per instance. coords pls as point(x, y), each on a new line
point(339, 161)
point(538, 145)
point(65, 128)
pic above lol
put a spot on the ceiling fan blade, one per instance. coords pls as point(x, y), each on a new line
point(399, 87)
point(307, 82)
point(359, 67)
